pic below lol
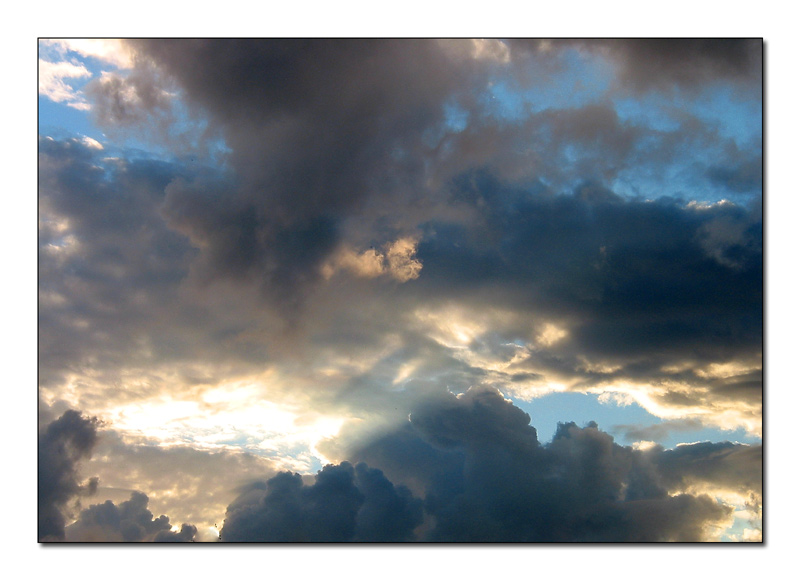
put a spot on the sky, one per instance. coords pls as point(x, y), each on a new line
point(400, 290)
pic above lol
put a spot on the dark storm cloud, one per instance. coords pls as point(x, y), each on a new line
point(744, 175)
point(335, 141)
point(316, 127)
point(344, 504)
point(663, 63)
point(486, 477)
point(633, 280)
point(63, 444)
point(654, 63)
point(130, 521)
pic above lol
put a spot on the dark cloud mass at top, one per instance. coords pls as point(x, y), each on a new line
point(289, 253)
point(323, 132)
point(663, 63)
point(315, 127)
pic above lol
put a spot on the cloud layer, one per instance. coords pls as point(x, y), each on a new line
point(484, 477)
point(273, 251)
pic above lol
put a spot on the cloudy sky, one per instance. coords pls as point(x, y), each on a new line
point(407, 290)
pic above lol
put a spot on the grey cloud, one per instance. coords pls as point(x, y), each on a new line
point(314, 126)
point(638, 285)
point(651, 292)
point(129, 100)
point(653, 63)
point(64, 443)
point(729, 465)
point(657, 432)
point(665, 63)
point(485, 478)
point(120, 280)
point(335, 139)
point(629, 277)
point(347, 143)
point(344, 504)
point(115, 262)
point(130, 521)
point(145, 104)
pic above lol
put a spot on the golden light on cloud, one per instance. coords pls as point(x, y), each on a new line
point(550, 335)
point(680, 400)
point(231, 415)
point(535, 389)
point(237, 278)
point(726, 370)
point(263, 426)
point(396, 261)
point(451, 327)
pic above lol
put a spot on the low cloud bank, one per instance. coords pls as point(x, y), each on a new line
point(479, 470)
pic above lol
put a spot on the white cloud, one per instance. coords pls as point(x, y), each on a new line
point(92, 143)
point(53, 82)
point(111, 51)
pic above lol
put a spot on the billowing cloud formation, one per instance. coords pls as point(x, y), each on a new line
point(521, 288)
point(486, 477)
point(331, 115)
point(328, 235)
point(634, 291)
point(130, 521)
point(344, 504)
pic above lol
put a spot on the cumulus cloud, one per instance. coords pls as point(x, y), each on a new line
point(313, 139)
point(629, 287)
point(63, 444)
point(486, 477)
point(390, 220)
point(522, 288)
point(344, 504)
point(129, 521)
